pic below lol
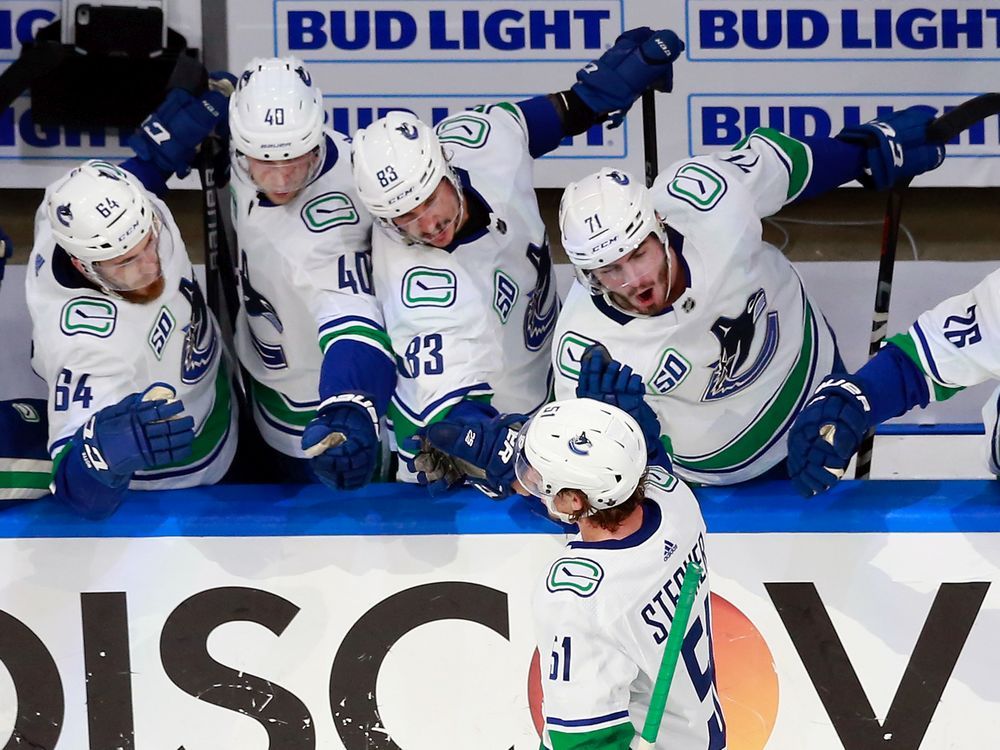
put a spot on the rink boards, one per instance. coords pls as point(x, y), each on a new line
point(290, 617)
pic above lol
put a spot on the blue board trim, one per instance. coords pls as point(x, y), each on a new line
point(286, 510)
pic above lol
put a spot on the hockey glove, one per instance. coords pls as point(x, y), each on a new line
point(6, 251)
point(897, 147)
point(604, 379)
point(484, 451)
point(142, 431)
point(170, 136)
point(342, 441)
point(640, 59)
point(827, 433)
point(433, 469)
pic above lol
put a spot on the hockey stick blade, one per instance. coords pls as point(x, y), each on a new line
point(964, 116)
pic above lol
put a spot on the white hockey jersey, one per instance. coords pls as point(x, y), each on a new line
point(602, 616)
point(732, 361)
point(475, 320)
point(93, 349)
point(305, 278)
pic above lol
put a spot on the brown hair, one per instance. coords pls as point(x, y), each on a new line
point(611, 518)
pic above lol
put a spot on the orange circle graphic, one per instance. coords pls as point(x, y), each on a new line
point(744, 673)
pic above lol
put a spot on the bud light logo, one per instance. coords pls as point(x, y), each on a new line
point(718, 121)
point(21, 138)
point(466, 30)
point(19, 22)
point(347, 113)
point(819, 30)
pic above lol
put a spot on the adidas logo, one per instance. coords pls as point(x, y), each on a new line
point(669, 548)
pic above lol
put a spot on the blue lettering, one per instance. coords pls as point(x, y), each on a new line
point(772, 32)
point(797, 22)
point(994, 15)
point(558, 29)
point(499, 37)
point(439, 31)
point(809, 122)
point(305, 29)
point(720, 126)
point(29, 21)
point(592, 26)
point(33, 135)
point(470, 28)
point(718, 29)
point(851, 31)
point(438, 114)
point(385, 21)
point(6, 38)
point(660, 631)
point(7, 127)
point(338, 29)
point(914, 35)
point(952, 28)
point(852, 116)
point(883, 28)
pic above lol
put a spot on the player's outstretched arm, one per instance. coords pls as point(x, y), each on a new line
point(605, 88)
point(167, 141)
point(142, 431)
point(828, 431)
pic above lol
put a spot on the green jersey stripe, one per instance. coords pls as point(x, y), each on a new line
point(909, 346)
point(620, 735)
point(213, 431)
point(405, 428)
point(798, 155)
point(37, 480)
point(379, 339)
point(279, 408)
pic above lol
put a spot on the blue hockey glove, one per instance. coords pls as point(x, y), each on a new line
point(640, 59)
point(482, 451)
point(142, 431)
point(897, 147)
point(604, 379)
point(171, 135)
point(827, 433)
point(342, 441)
point(6, 251)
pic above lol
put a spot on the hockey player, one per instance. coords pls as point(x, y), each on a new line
point(604, 608)
point(677, 282)
point(948, 348)
point(461, 259)
point(309, 332)
point(122, 336)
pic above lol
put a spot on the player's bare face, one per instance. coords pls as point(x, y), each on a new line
point(437, 220)
point(283, 179)
point(137, 275)
point(639, 281)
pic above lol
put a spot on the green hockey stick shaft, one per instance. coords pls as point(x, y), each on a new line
point(671, 655)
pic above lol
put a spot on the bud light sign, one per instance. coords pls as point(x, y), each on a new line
point(468, 30)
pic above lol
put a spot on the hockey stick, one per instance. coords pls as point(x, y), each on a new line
point(652, 162)
point(941, 130)
point(671, 655)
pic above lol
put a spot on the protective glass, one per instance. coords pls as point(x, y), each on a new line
point(530, 477)
point(281, 176)
point(435, 216)
point(140, 266)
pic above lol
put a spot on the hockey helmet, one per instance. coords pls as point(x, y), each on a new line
point(276, 115)
point(581, 444)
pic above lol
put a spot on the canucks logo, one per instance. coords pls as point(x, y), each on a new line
point(272, 356)
point(619, 177)
point(409, 132)
point(543, 303)
point(304, 75)
point(736, 337)
point(580, 444)
point(64, 214)
point(201, 344)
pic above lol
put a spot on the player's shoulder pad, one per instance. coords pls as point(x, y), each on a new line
point(579, 576)
point(89, 315)
point(695, 182)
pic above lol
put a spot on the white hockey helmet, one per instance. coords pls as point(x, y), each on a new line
point(99, 212)
point(581, 444)
point(276, 115)
point(604, 217)
point(398, 163)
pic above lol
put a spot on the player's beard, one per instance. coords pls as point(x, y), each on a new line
point(149, 293)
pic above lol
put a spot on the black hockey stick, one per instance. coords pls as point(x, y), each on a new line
point(652, 162)
point(941, 130)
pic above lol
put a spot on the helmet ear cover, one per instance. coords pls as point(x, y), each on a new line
point(581, 444)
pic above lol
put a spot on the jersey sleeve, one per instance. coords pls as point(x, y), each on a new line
point(586, 675)
point(957, 343)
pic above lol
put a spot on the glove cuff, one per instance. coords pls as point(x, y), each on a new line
point(359, 400)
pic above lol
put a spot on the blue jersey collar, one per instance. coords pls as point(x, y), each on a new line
point(651, 517)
